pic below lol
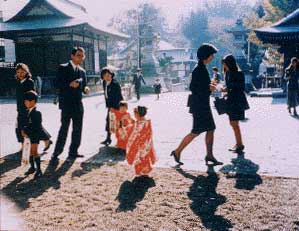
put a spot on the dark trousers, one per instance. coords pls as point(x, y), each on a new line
point(137, 90)
point(107, 128)
point(21, 122)
point(77, 120)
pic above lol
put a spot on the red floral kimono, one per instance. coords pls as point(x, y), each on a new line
point(121, 125)
point(140, 149)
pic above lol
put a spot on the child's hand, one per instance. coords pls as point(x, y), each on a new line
point(213, 87)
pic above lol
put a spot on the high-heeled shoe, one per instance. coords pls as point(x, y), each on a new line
point(106, 142)
point(48, 146)
point(237, 148)
point(176, 158)
point(213, 160)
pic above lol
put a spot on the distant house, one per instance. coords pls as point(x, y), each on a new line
point(44, 33)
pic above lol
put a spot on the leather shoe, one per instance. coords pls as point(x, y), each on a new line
point(74, 156)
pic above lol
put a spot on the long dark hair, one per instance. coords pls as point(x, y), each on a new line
point(24, 67)
point(231, 63)
point(290, 67)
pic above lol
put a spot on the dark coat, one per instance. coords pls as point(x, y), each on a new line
point(34, 127)
point(114, 94)
point(236, 98)
point(199, 101)
point(294, 78)
point(22, 88)
point(70, 98)
point(137, 80)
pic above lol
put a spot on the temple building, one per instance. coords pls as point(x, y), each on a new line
point(284, 34)
point(45, 31)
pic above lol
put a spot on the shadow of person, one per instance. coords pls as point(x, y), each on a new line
point(106, 155)
point(132, 192)
point(244, 171)
point(21, 193)
point(205, 200)
point(10, 162)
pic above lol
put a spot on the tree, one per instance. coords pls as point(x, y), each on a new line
point(195, 28)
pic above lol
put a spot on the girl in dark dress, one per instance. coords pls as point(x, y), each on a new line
point(292, 76)
point(25, 84)
point(199, 103)
point(157, 87)
point(236, 98)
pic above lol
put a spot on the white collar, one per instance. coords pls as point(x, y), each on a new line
point(74, 66)
point(30, 110)
point(22, 81)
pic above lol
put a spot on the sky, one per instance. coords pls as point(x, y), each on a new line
point(172, 9)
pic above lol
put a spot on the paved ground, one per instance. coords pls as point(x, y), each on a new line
point(270, 134)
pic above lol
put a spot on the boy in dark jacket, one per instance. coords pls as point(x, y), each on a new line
point(32, 130)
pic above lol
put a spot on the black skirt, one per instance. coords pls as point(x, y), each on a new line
point(292, 98)
point(203, 122)
point(236, 115)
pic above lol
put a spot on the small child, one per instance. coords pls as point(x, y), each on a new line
point(157, 87)
point(140, 148)
point(120, 122)
point(32, 130)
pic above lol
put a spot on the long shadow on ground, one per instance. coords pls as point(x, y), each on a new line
point(132, 192)
point(244, 171)
point(107, 155)
point(21, 193)
point(10, 162)
point(205, 200)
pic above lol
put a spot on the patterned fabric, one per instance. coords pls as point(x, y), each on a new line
point(140, 148)
point(121, 125)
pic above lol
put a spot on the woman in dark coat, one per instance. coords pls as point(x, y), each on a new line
point(292, 76)
point(113, 96)
point(236, 98)
point(25, 84)
point(199, 103)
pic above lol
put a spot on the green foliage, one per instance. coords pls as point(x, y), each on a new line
point(164, 62)
point(285, 7)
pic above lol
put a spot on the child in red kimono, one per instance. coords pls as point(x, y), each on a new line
point(140, 149)
point(121, 124)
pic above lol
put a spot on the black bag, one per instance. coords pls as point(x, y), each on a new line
point(220, 105)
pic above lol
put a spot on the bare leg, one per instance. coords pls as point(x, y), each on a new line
point(185, 142)
point(237, 132)
point(209, 142)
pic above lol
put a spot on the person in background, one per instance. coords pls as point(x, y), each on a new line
point(292, 77)
point(216, 80)
point(157, 86)
point(137, 79)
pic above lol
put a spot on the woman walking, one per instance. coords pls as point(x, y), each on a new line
point(199, 103)
point(292, 76)
point(236, 98)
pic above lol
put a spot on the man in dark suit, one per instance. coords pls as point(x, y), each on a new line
point(71, 83)
point(137, 78)
point(113, 96)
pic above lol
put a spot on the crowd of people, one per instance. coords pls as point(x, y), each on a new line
point(134, 134)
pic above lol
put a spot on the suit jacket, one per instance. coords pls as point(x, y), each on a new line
point(236, 98)
point(114, 94)
point(70, 98)
point(137, 80)
point(34, 127)
point(199, 101)
point(22, 88)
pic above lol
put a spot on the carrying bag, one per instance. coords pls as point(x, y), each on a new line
point(26, 151)
point(220, 105)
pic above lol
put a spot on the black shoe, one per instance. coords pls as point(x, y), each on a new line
point(30, 171)
point(176, 159)
point(74, 156)
point(106, 142)
point(213, 160)
point(54, 157)
point(38, 174)
point(48, 146)
point(237, 148)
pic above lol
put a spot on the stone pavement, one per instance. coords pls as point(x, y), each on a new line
point(271, 135)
